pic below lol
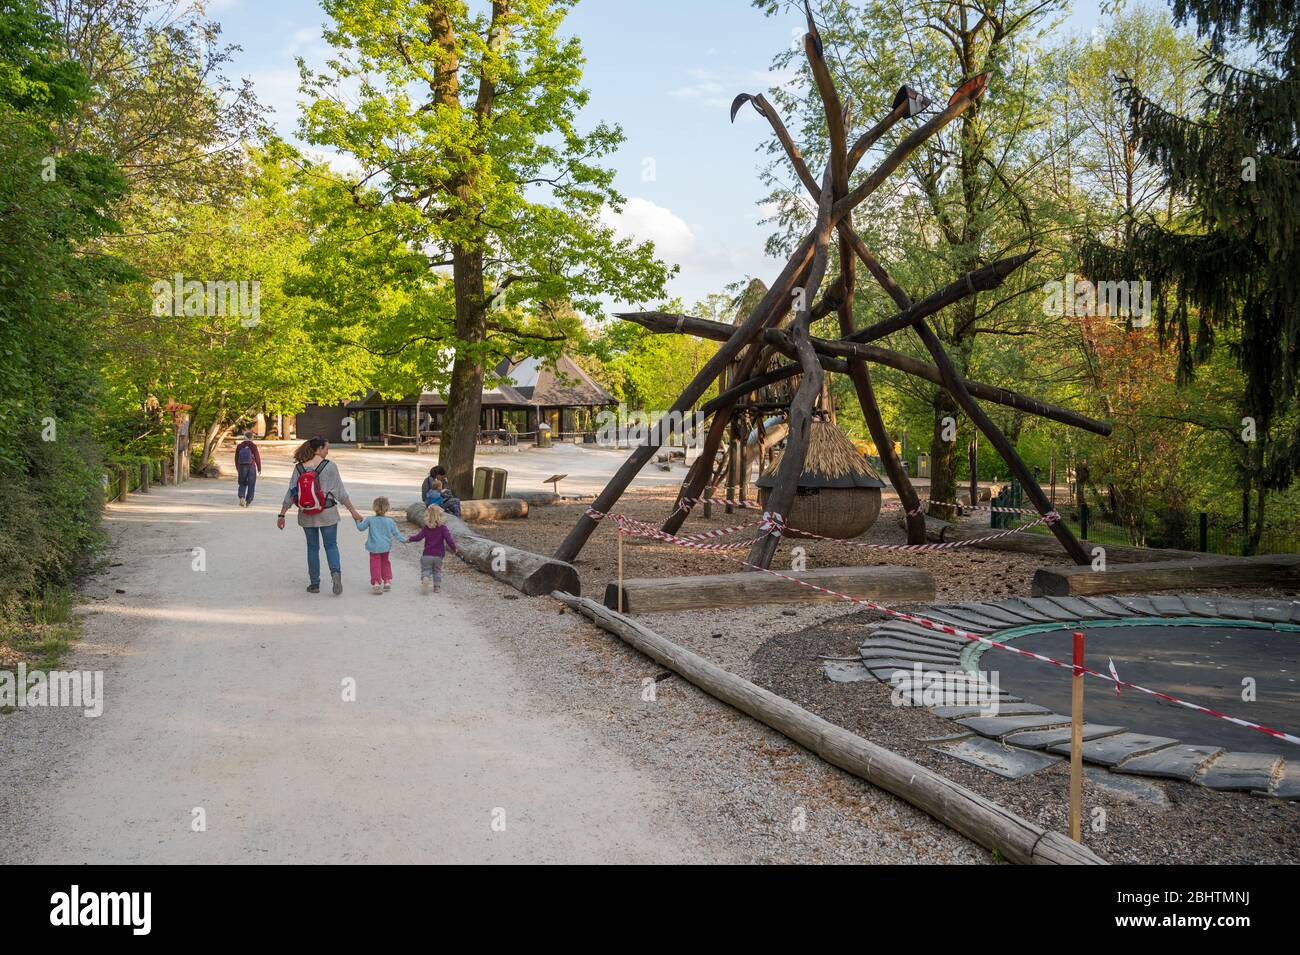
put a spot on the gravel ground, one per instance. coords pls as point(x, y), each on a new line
point(735, 778)
point(781, 648)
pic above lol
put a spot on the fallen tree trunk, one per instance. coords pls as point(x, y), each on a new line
point(981, 820)
point(662, 594)
point(529, 573)
point(1208, 571)
point(493, 509)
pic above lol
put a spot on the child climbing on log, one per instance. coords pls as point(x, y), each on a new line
point(437, 538)
point(381, 531)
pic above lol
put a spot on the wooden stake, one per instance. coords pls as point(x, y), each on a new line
point(1076, 741)
point(620, 571)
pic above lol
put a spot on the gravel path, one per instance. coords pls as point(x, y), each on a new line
point(224, 694)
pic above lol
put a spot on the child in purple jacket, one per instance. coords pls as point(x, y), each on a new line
point(437, 538)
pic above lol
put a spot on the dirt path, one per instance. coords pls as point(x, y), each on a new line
point(224, 692)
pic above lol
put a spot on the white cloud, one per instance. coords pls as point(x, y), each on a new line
point(707, 264)
point(643, 220)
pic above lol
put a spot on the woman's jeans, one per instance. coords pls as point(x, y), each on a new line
point(330, 532)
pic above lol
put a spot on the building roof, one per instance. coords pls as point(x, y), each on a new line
point(564, 383)
point(526, 383)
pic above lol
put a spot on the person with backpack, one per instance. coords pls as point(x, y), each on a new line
point(317, 488)
point(248, 465)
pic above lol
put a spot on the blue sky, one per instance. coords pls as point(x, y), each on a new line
point(665, 70)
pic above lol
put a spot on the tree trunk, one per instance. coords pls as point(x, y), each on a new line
point(212, 437)
point(465, 394)
point(943, 455)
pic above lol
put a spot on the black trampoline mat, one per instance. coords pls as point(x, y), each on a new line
point(1201, 664)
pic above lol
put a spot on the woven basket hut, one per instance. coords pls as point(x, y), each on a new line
point(838, 494)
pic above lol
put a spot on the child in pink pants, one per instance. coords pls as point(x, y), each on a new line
point(381, 531)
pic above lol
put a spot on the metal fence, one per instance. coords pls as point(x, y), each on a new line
point(1200, 531)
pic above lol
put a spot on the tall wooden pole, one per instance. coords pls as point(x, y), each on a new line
point(1076, 741)
point(957, 388)
point(641, 455)
point(786, 480)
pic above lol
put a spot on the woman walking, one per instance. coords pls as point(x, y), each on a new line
point(317, 488)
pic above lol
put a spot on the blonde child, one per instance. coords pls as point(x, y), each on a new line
point(381, 532)
point(437, 538)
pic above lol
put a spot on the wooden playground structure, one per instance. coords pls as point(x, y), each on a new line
point(774, 341)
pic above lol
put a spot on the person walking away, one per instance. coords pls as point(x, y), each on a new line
point(381, 532)
point(248, 465)
point(317, 489)
point(437, 538)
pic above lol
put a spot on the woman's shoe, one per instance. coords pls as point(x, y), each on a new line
point(424, 585)
point(388, 585)
point(376, 589)
point(337, 577)
point(313, 588)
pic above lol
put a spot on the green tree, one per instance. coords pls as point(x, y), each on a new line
point(463, 121)
point(1226, 268)
point(52, 204)
point(971, 193)
point(248, 345)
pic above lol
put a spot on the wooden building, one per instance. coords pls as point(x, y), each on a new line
point(529, 393)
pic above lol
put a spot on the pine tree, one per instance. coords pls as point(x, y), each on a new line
point(1229, 267)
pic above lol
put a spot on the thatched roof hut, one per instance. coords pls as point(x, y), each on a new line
point(839, 492)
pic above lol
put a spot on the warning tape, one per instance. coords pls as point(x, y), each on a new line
point(623, 522)
point(687, 504)
point(769, 525)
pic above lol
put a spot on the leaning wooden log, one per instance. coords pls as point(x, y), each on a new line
point(957, 388)
point(898, 155)
point(717, 331)
point(981, 820)
point(493, 509)
point(786, 482)
point(887, 582)
point(1271, 570)
point(774, 302)
point(983, 279)
point(529, 573)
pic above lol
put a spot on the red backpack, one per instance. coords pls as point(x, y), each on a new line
point(310, 498)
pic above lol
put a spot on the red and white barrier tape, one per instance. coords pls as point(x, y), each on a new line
point(768, 525)
point(967, 635)
point(688, 504)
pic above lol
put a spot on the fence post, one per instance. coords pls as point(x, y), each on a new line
point(1205, 532)
point(1245, 525)
point(1083, 519)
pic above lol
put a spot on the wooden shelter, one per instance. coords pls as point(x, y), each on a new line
point(780, 324)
